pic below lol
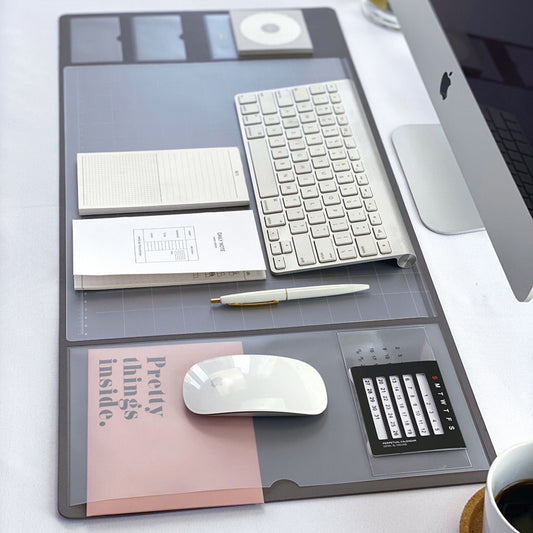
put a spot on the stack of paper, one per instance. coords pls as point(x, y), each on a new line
point(151, 251)
point(160, 180)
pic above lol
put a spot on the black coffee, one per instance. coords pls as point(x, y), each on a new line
point(516, 504)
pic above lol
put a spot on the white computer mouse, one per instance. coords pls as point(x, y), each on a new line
point(252, 384)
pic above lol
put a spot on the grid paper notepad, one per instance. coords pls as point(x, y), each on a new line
point(160, 180)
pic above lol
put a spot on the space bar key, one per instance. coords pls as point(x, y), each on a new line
point(264, 175)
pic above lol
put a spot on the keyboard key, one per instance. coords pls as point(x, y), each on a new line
point(326, 120)
point(320, 162)
point(337, 153)
point(310, 128)
point(317, 150)
point(341, 166)
point(356, 215)
point(361, 179)
point(305, 180)
point(334, 211)
point(289, 123)
point(304, 107)
point(274, 220)
point(323, 109)
point(334, 142)
point(264, 175)
point(276, 129)
point(380, 233)
point(270, 120)
point(316, 217)
point(291, 201)
point(303, 247)
point(300, 94)
point(281, 152)
point(360, 228)
point(353, 202)
point(370, 205)
point(366, 192)
point(266, 101)
point(287, 112)
point(248, 98)
point(286, 176)
point(297, 144)
point(313, 204)
point(344, 177)
point(310, 192)
point(248, 109)
point(358, 166)
point(300, 226)
point(348, 189)
point(299, 156)
point(313, 139)
point(324, 174)
point(250, 120)
point(307, 117)
point(288, 188)
point(347, 252)
point(384, 247)
point(302, 168)
point(284, 97)
point(366, 246)
point(342, 238)
point(279, 262)
point(338, 224)
point(375, 219)
point(282, 164)
point(254, 132)
point(325, 250)
point(318, 88)
point(271, 205)
point(275, 248)
point(321, 230)
point(273, 234)
point(276, 142)
point(295, 213)
point(295, 133)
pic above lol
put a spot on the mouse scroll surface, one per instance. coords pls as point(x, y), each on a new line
point(250, 384)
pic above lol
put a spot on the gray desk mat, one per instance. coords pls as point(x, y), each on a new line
point(130, 105)
point(327, 454)
point(165, 106)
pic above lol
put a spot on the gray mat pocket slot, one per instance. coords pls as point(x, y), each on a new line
point(220, 37)
point(84, 48)
point(158, 38)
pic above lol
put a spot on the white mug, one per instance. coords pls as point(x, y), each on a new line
point(512, 466)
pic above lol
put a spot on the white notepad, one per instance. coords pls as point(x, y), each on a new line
point(152, 251)
point(160, 180)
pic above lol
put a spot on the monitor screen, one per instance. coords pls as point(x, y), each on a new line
point(478, 72)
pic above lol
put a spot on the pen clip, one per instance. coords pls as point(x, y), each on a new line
point(271, 302)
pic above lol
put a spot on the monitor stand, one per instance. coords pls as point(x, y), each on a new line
point(435, 179)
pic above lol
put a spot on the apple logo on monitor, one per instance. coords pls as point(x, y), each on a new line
point(445, 83)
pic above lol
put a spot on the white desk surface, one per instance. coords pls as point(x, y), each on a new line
point(493, 332)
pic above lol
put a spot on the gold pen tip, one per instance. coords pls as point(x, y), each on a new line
point(215, 300)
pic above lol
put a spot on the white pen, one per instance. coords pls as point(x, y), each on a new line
point(274, 296)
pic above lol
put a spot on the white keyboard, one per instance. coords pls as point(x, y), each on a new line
point(322, 193)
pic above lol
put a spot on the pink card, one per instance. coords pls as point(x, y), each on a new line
point(146, 451)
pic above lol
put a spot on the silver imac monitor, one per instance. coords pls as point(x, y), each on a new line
point(465, 174)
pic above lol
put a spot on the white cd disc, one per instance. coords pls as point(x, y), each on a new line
point(270, 29)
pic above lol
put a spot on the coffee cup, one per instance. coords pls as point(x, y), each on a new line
point(510, 479)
